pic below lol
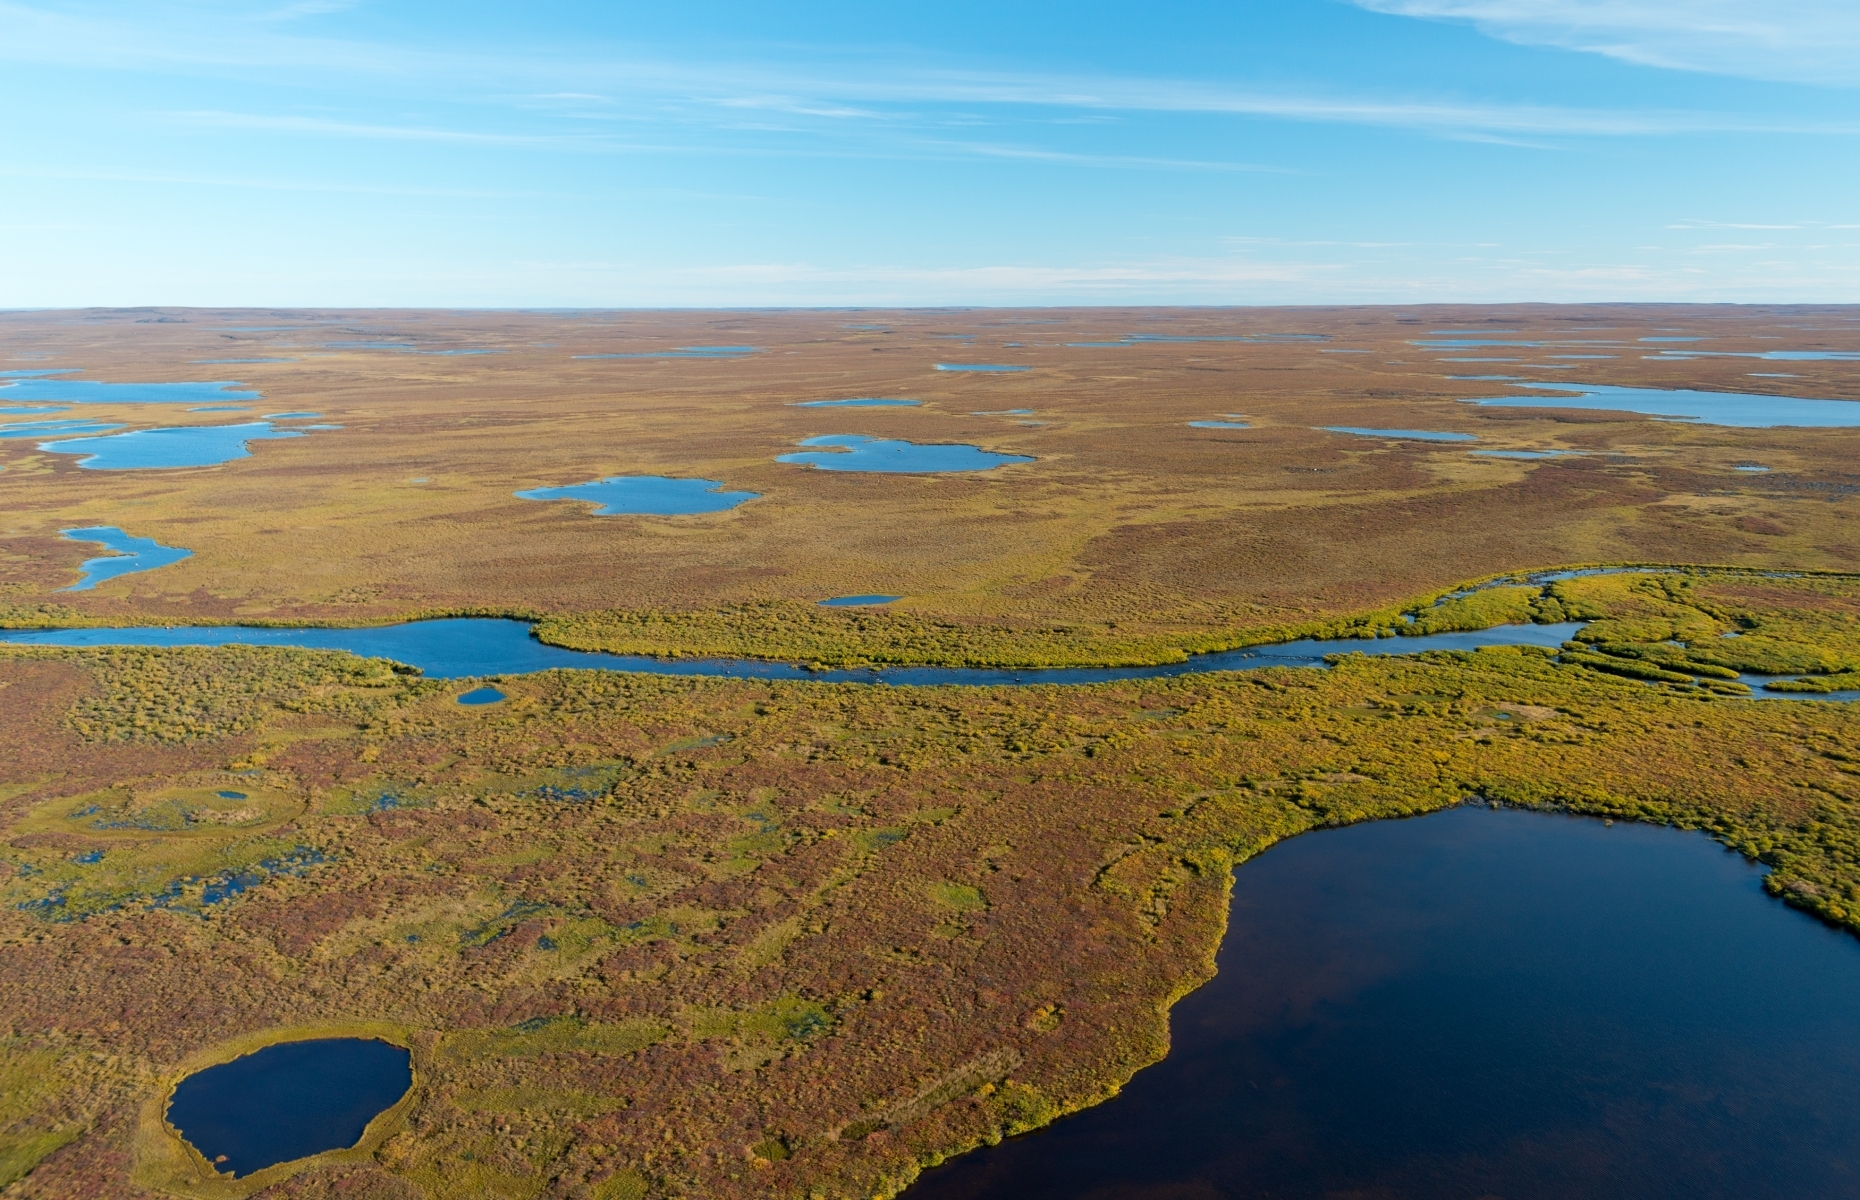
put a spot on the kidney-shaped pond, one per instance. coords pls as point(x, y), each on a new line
point(850, 452)
point(1480, 1004)
point(289, 1101)
point(645, 495)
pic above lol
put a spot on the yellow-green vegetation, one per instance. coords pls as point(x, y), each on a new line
point(1128, 538)
point(169, 1164)
point(655, 936)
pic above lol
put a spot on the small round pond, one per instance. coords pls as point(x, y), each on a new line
point(289, 1101)
point(481, 695)
point(1482, 1003)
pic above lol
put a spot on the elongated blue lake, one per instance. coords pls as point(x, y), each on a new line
point(858, 601)
point(467, 647)
point(83, 391)
point(132, 554)
point(1218, 425)
point(645, 495)
point(1736, 409)
point(850, 452)
point(1475, 1005)
point(183, 446)
point(1417, 435)
point(67, 428)
point(985, 368)
point(289, 1101)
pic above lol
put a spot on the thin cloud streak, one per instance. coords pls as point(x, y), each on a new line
point(826, 91)
point(1796, 41)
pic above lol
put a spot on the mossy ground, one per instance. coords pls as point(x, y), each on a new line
point(699, 937)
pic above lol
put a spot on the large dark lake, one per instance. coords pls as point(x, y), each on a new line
point(289, 1101)
point(1479, 1005)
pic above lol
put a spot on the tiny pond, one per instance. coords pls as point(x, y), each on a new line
point(1482, 1003)
point(288, 1101)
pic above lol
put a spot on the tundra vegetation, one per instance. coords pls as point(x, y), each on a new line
point(648, 937)
point(661, 936)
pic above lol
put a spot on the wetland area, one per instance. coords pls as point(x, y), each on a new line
point(626, 756)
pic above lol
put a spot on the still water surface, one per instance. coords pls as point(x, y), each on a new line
point(84, 391)
point(1736, 409)
point(289, 1101)
point(462, 647)
point(851, 452)
point(182, 446)
point(1482, 1004)
point(131, 555)
point(645, 495)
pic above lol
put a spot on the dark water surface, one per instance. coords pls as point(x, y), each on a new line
point(1479, 1005)
point(289, 1101)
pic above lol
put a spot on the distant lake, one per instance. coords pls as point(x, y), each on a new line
point(1418, 435)
point(1470, 344)
point(857, 601)
point(84, 391)
point(1482, 1004)
point(1218, 425)
point(401, 347)
point(133, 555)
point(289, 1101)
point(986, 368)
point(645, 495)
point(682, 352)
point(1771, 355)
point(895, 456)
point(184, 446)
point(67, 428)
point(1735, 409)
point(862, 402)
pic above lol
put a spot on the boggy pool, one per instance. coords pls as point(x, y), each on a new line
point(1482, 1003)
point(288, 1101)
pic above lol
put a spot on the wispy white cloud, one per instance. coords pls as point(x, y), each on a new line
point(1797, 41)
point(182, 179)
point(848, 88)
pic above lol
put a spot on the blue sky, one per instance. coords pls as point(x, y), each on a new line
point(1246, 152)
